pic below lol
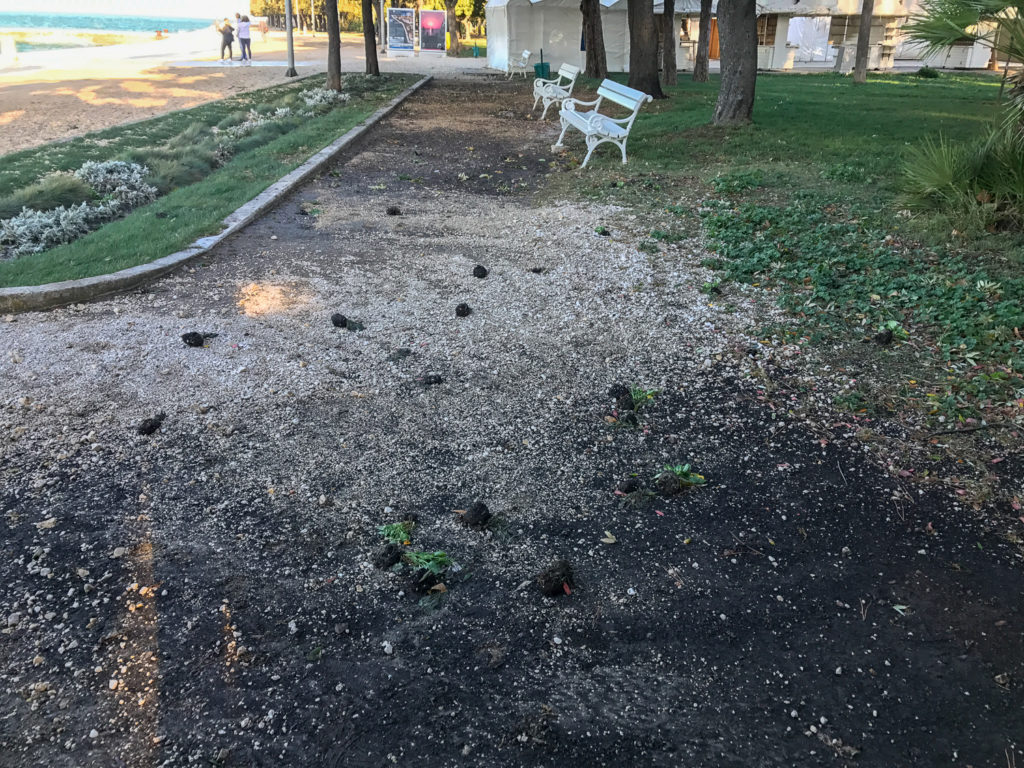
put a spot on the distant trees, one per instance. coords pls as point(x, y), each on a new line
point(737, 31)
point(593, 39)
point(643, 48)
point(700, 66)
point(333, 46)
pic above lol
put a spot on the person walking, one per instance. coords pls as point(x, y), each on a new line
point(245, 40)
point(227, 36)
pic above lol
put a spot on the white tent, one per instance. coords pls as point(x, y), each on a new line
point(556, 27)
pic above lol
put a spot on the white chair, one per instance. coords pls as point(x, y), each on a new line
point(600, 128)
point(556, 90)
point(521, 65)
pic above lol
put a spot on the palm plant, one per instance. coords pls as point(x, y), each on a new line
point(997, 23)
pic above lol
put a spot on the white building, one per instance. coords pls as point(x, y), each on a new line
point(806, 34)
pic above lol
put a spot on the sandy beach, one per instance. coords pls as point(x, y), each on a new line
point(56, 95)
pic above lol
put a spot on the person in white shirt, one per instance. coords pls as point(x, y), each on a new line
point(244, 40)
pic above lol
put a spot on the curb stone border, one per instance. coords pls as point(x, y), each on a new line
point(41, 297)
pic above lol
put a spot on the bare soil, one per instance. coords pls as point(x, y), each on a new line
point(206, 594)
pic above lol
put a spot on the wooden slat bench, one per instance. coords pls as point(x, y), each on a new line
point(520, 65)
point(598, 128)
point(556, 90)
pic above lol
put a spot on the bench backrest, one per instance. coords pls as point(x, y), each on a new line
point(568, 71)
point(525, 57)
point(630, 98)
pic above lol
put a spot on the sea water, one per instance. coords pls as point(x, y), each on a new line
point(40, 31)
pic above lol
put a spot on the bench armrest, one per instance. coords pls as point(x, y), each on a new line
point(571, 104)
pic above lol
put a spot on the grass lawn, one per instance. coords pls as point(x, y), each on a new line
point(188, 212)
point(807, 203)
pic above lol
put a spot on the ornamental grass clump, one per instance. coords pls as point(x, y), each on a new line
point(120, 186)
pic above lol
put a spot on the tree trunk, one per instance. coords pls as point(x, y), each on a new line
point(593, 38)
point(737, 33)
point(333, 46)
point(669, 43)
point(700, 66)
point(860, 62)
point(643, 48)
point(453, 28)
point(369, 39)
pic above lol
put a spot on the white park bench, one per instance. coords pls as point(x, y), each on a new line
point(600, 128)
point(521, 65)
point(557, 90)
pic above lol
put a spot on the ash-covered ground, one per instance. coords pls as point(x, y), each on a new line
point(208, 593)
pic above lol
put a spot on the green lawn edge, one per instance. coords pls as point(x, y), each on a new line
point(174, 221)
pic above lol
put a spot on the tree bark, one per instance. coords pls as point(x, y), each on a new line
point(860, 62)
point(593, 38)
point(333, 46)
point(369, 39)
point(700, 66)
point(453, 28)
point(669, 75)
point(643, 48)
point(737, 34)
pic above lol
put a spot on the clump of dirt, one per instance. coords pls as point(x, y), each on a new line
point(193, 339)
point(477, 516)
point(393, 210)
point(399, 354)
point(152, 424)
point(463, 310)
point(387, 556)
point(431, 380)
point(555, 579)
point(629, 485)
point(480, 271)
point(339, 320)
point(667, 484)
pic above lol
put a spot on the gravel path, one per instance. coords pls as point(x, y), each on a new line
point(207, 595)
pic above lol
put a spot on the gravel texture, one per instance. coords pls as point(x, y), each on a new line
point(207, 593)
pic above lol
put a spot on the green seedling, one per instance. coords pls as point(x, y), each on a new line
point(434, 562)
point(898, 331)
point(398, 533)
point(603, 231)
point(683, 474)
point(642, 397)
point(711, 288)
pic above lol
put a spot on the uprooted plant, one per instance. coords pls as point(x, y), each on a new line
point(673, 478)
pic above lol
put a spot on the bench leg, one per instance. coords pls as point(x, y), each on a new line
point(591, 146)
point(536, 98)
point(547, 103)
point(561, 136)
point(622, 146)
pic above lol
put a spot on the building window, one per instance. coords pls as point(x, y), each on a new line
point(766, 29)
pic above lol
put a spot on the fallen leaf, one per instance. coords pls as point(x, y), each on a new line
point(901, 609)
point(439, 588)
point(609, 538)
point(659, 513)
point(565, 586)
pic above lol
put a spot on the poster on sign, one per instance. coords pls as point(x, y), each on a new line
point(433, 25)
point(401, 31)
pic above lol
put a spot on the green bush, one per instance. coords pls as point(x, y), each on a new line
point(927, 73)
point(738, 181)
point(49, 192)
point(979, 186)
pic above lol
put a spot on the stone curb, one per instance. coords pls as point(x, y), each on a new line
point(39, 297)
